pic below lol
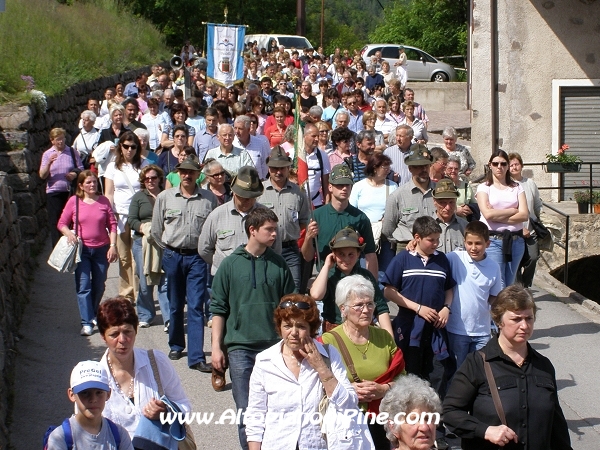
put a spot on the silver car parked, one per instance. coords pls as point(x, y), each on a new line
point(421, 66)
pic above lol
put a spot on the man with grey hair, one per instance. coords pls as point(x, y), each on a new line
point(314, 114)
point(342, 119)
point(231, 158)
point(168, 98)
point(258, 149)
point(383, 122)
point(400, 173)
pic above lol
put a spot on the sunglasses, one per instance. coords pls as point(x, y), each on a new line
point(299, 305)
point(180, 136)
point(501, 164)
point(151, 178)
point(220, 174)
point(129, 147)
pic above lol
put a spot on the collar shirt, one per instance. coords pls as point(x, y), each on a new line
point(356, 123)
point(86, 141)
point(231, 162)
point(177, 221)
point(386, 126)
point(258, 150)
point(203, 142)
point(280, 406)
point(398, 166)
point(121, 410)
point(291, 206)
point(453, 234)
point(403, 207)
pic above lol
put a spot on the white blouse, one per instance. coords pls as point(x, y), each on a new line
point(119, 408)
point(280, 407)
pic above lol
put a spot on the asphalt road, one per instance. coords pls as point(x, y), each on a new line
point(50, 346)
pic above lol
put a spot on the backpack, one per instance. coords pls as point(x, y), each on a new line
point(66, 425)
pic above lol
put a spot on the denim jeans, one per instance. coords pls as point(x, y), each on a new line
point(90, 278)
point(462, 345)
point(241, 363)
point(145, 301)
point(186, 277)
point(508, 270)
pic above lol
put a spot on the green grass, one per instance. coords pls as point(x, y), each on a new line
point(60, 45)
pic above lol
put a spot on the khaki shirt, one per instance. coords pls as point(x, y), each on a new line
point(453, 234)
point(177, 221)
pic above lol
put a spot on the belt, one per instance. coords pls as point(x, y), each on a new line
point(183, 251)
point(500, 235)
point(289, 244)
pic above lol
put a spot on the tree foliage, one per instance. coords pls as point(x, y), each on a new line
point(437, 26)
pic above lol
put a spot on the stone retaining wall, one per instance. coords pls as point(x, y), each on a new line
point(23, 217)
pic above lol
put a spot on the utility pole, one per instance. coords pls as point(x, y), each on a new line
point(300, 17)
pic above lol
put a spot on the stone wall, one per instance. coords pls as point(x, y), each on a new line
point(23, 218)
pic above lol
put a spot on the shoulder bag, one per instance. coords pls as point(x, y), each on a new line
point(75, 169)
point(493, 388)
point(64, 256)
point(186, 442)
point(341, 431)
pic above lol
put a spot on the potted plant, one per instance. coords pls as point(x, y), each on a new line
point(562, 161)
point(583, 201)
point(596, 201)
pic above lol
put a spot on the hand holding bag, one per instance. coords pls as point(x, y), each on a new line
point(64, 256)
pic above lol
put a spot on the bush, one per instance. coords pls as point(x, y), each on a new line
point(58, 45)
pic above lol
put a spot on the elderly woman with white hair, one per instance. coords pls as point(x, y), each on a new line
point(370, 355)
point(116, 128)
point(409, 399)
point(467, 163)
point(87, 139)
point(147, 154)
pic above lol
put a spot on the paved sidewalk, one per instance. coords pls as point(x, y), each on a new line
point(51, 346)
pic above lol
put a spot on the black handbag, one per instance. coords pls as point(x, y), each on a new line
point(540, 229)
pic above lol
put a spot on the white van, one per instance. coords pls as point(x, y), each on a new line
point(287, 40)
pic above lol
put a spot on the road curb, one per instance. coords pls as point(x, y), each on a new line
point(563, 291)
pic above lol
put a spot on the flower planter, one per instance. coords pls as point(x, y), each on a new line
point(583, 208)
point(551, 167)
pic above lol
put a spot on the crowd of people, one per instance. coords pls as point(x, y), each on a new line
point(200, 197)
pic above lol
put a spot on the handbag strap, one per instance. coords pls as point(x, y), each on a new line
point(155, 372)
point(76, 216)
point(128, 182)
point(493, 388)
point(346, 355)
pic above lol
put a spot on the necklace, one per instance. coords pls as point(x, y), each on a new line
point(293, 358)
point(112, 372)
point(364, 354)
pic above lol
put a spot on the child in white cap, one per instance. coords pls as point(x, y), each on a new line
point(87, 429)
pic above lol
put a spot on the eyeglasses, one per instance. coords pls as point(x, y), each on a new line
point(499, 163)
point(154, 178)
point(129, 147)
point(359, 307)
point(220, 174)
point(254, 122)
point(289, 304)
point(179, 136)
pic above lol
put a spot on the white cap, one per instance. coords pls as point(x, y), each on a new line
point(89, 375)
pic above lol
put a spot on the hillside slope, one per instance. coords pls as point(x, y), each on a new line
point(58, 45)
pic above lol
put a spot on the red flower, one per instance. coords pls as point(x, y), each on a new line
point(361, 240)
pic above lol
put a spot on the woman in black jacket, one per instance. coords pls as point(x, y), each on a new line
point(526, 384)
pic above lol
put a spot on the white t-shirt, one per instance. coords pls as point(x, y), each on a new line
point(371, 200)
point(501, 199)
point(476, 281)
point(314, 174)
point(123, 193)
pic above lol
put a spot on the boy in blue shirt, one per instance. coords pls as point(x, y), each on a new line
point(420, 282)
point(479, 281)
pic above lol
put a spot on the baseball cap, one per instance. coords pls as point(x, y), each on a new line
point(247, 183)
point(445, 189)
point(347, 237)
point(418, 155)
point(341, 174)
point(89, 375)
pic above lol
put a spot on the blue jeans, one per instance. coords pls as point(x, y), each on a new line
point(508, 270)
point(186, 277)
point(241, 363)
point(145, 301)
point(462, 345)
point(90, 278)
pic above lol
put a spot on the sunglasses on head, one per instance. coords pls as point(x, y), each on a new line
point(499, 163)
point(289, 304)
